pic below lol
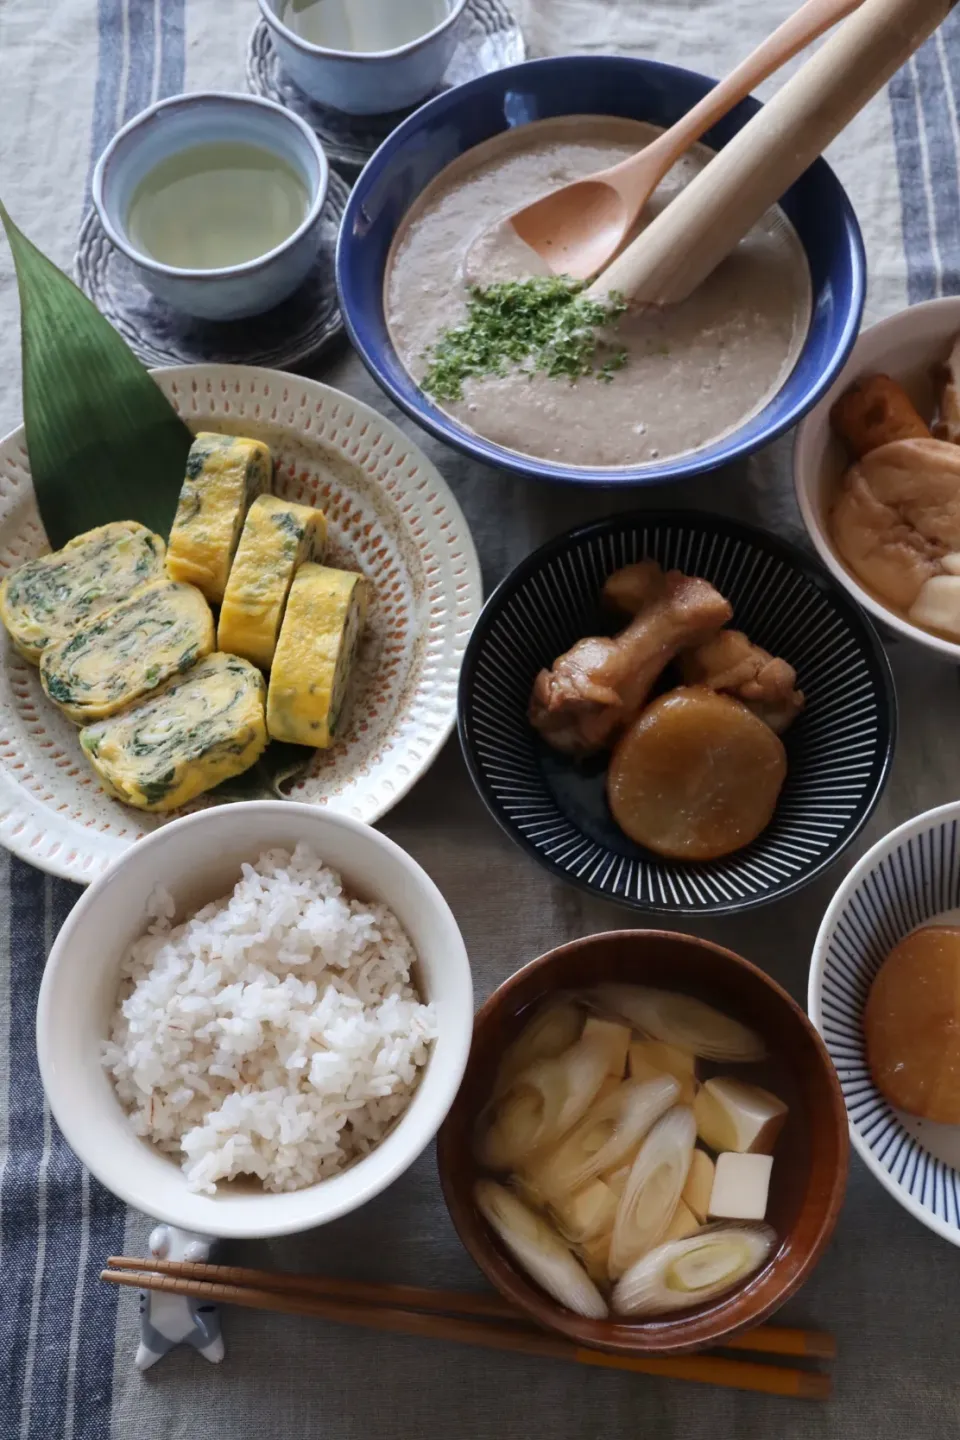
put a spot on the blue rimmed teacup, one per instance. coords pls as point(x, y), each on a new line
point(366, 82)
point(230, 292)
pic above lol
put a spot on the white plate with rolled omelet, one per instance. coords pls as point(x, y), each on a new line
point(389, 575)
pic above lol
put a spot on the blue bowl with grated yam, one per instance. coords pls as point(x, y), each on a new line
point(839, 750)
point(909, 878)
point(611, 85)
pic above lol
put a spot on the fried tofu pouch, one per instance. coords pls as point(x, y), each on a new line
point(225, 474)
point(111, 662)
point(202, 728)
point(896, 517)
point(948, 387)
point(47, 599)
point(317, 646)
point(876, 411)
point(277, 538)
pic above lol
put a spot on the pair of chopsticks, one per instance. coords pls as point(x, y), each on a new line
point(473, 1319)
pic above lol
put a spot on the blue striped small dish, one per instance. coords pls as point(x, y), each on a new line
point(838, 752)
point(909, 878)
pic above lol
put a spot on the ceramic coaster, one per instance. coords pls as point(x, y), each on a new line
point(489, 38)
point(160, 335)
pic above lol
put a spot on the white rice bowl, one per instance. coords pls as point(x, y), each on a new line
point(276, 1034)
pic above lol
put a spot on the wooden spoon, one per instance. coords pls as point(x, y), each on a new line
point(579, 228)
point(687, 240)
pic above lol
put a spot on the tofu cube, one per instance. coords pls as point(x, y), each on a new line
point(699, 1186)
point(587, 1213)
point(595, 1255)
point(649, 1058)
point(732, 1115)
point(740, 1187)
point(684, 1223)
point(614, 1037)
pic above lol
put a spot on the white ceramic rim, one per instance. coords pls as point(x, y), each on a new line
point(246, 267)
point(874, 855)
point(358, 56)
point(22, 843)
point(803, 464)
point(440, 1102)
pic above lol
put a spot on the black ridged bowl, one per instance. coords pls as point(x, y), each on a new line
point(839, 750)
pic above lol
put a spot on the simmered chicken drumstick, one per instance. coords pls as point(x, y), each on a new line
point(632, 587)
point(596, 689)
point(731, 663)
point(727, 662)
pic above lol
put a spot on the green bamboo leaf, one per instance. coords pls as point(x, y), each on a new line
point(104, 442)
point(278, 765)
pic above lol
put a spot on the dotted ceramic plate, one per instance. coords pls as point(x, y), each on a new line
point(390, 515)
point(292, 332)
point(838, 751)
point(488, 38)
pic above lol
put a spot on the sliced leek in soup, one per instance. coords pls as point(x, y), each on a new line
point(616, 1140)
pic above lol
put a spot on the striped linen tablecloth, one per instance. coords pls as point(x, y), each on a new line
point(72, 71)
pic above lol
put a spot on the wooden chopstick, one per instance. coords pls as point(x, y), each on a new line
point(495, 1335)
point(402, 1297)
point(784, 1340)
point(765, 1340)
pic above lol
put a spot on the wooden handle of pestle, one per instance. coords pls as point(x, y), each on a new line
point(688, 239)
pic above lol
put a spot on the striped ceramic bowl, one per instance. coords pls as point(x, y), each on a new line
point(839, 751)
point(909, 878)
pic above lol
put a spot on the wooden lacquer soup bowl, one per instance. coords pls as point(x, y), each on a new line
point(811, 1156)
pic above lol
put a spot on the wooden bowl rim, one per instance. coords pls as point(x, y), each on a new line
point(672, 1336)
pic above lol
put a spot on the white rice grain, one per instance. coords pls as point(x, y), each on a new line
point(276, 1034)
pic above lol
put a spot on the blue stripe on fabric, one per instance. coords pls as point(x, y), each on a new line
point(18, 1193)
point(935, 105)
point(62, 1212)
point(950, 38)
point(173, 47)
point(924, 102)
point(91, 1392)
point(109, 71)
point(917, 245)
point(140, 45)
point(30, 924)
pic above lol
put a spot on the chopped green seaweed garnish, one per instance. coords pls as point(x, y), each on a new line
point(542, 324)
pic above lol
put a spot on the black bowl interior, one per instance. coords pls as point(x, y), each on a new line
point(839, 751)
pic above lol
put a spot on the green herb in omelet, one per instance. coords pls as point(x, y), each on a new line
point(542, 324)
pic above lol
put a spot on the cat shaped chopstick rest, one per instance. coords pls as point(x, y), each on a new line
point(167, 1321)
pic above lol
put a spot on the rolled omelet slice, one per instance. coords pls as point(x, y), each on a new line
point(277, 538)
point(109, 663)
point(225, 473)
point(316, 649)
point(50, 597)
point(203, 727)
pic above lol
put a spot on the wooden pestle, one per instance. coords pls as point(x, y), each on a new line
point(687, 240)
